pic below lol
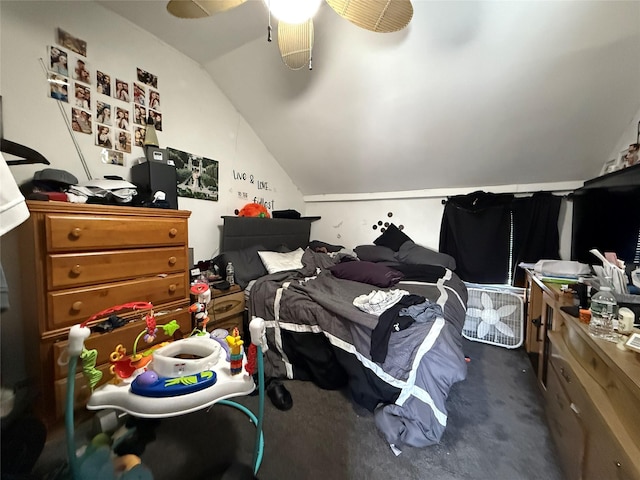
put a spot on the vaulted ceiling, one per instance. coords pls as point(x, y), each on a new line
point(471, 93)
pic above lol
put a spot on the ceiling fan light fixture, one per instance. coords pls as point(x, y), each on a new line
point(293, 11)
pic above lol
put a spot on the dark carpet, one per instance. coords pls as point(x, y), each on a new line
point(496, 430)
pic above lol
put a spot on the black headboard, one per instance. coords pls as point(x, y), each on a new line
point(242, 232)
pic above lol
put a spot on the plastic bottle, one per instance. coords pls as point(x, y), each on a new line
point(604, 308)
point(230, 274)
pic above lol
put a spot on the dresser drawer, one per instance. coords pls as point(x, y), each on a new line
point(606, 458)
point(105, 343)
point(81, 392)
point(226, 306)
point(69, 270)
point(87, 232)
point(561, 360)
point(68, 307)
point(565, 426)
point(229, 324)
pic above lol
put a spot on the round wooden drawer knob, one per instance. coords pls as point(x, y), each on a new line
point(173, 232)
point(172, 260)
point(172, 288)
point(76, 269)
point(76, 232)
point(76, 306)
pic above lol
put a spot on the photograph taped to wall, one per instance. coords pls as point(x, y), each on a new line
point(112, 157)
point(157, 119)
point(197, 177)
point(122, 90)
point(139, 94)
point(80, 121)
point(154, 100)
point(147, 78)
point(138, 136)
point(123, 141)
point(103, 113)
point(103, 83)
point(82, 96)
point(58, 87)
point(122, 118)
point(139, 115)
point(81, 71)
point(103, 137)
point(72, 43)
point(58, 61)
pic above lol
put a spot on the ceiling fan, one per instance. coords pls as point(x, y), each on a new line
point(295, 19)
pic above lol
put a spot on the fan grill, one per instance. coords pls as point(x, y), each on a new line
point(495, 315)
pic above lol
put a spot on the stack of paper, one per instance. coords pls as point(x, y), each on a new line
point(610, 274)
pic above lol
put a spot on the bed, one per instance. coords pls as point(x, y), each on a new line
point(382, 320)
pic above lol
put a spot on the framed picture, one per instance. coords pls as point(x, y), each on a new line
point(610, 166)
point(197, 177)
point(72, 43)
point(629, 156)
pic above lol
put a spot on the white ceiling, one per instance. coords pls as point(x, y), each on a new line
point(473, 93)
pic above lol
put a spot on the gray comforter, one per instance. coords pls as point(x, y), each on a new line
point(422, 363)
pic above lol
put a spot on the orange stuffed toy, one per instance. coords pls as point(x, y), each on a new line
point(253, 210)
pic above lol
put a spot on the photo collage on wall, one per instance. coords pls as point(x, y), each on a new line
point(117, 107)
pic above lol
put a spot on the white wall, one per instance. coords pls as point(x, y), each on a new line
point(197, 118)
point(348, 219)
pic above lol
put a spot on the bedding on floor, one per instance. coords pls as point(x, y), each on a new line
point(397, 348)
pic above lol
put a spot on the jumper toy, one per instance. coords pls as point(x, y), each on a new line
point(170, 379)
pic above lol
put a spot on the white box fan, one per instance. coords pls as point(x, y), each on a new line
point(495, 315)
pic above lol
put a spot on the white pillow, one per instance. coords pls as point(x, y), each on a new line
point(279, 262)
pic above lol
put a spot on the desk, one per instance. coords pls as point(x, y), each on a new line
point(591, 390)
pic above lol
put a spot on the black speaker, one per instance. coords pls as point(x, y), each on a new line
point(149, 177)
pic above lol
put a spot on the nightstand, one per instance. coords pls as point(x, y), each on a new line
point(226, 309)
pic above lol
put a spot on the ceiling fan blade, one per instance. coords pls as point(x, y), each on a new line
point(376, 15)
point(200, 8)
point(295, 43)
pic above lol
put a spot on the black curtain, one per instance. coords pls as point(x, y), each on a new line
point(477, 230)
point(535, 228)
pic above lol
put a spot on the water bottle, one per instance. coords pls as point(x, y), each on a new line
point(230, 274)
point(604, 308)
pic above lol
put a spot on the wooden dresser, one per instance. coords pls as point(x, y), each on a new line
point(591, 390)
point(78, 260)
